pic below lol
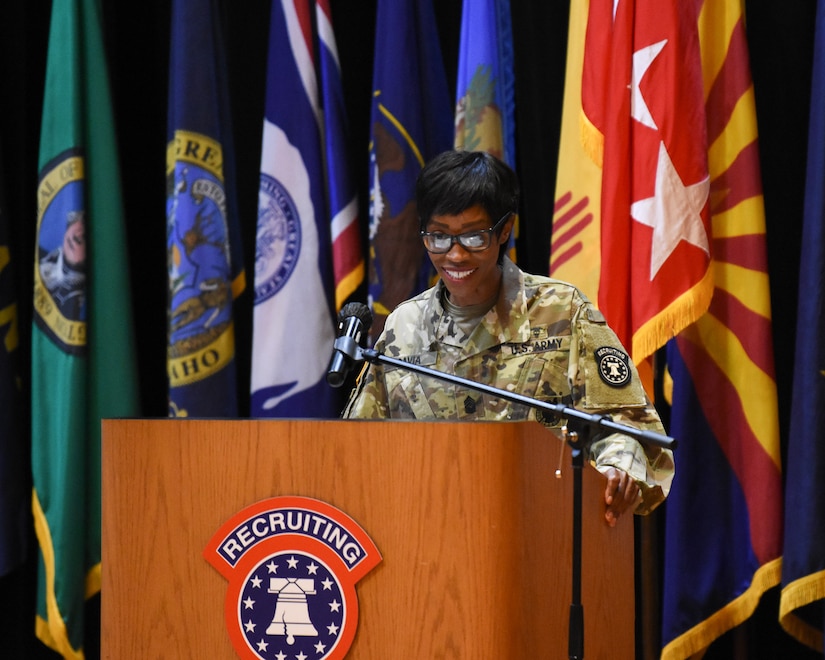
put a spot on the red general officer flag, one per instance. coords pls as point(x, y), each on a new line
point(642, 89)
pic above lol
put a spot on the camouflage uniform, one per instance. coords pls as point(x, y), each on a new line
point(542, 339)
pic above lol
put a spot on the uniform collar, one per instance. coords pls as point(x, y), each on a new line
point(507, 322)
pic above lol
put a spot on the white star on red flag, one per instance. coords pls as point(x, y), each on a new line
point(674, 212)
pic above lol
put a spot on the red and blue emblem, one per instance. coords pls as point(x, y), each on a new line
point(292, 565)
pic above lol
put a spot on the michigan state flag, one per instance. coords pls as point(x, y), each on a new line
point(203, 238)
point(411, 121)
point(83, 361)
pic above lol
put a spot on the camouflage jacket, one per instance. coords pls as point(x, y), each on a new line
point(542, 339)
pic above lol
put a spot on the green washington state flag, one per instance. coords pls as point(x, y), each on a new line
point(83, 362)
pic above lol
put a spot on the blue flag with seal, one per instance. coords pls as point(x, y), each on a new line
point(411, 122)
point(485, 88)
point(204, 258)
point(485, 112)
point(294, 312)
point(802, 600)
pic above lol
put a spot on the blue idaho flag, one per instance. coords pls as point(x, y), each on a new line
point(202, 234)
point(411, 121)
point(802, 603)
point(294, 313)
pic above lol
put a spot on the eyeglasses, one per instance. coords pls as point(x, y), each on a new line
point(472, 241)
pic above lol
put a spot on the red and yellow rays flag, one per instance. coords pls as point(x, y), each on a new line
point(723, 532)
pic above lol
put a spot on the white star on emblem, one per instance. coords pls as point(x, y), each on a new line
point(674, 212)
point(327, 583)
point(642, 59)
point(248, 603)
point(293, 563)
point(280, 656)
point(320, 647)
point(272, 567)
point(250, 627)
point(301, 656)
point(262, 645)
point(312, 568)
point(332, 629)
point(334, 606)
point(256, 582)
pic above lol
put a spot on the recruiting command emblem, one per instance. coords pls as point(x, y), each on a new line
point(292, 564)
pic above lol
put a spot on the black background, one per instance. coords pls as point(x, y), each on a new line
point(137, 40)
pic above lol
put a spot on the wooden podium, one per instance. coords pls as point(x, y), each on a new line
point(474, 529)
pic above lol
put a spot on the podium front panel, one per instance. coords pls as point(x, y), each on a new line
point(474, 529)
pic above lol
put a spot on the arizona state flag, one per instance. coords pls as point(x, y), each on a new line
point(308, 246)
point(642, 89)
point(83, 359)
point(411, 122)
point(723, 531)
point(802, 603)
point(204, 259)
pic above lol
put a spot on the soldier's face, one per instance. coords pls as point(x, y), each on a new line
point(470, 277)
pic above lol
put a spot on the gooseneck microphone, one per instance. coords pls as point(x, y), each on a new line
point(354, 320)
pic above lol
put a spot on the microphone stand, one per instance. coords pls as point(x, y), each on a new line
point(587, 427)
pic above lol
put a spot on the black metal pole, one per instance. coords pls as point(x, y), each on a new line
point(575, 625)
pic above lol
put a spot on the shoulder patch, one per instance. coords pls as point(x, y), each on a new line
point(613, 365)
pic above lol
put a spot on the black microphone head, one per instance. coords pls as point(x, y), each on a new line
point(359, 311)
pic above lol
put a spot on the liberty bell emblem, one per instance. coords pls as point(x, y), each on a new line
point(291, 612)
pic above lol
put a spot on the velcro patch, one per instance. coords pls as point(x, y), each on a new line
point(613, 365)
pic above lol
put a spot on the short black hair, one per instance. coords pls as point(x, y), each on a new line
point(454, 181)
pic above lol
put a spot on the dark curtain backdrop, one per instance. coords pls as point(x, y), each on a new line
point(137, 40)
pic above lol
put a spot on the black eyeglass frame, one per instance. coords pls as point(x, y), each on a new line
point(456, 238)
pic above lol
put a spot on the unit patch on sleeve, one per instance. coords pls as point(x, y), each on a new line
point(614, 366)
